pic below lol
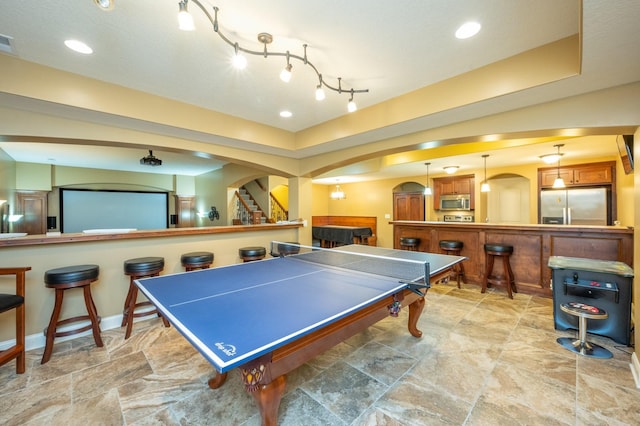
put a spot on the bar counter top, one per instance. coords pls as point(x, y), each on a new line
point(533, 244)
point(102, 235)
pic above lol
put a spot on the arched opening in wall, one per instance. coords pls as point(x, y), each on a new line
point(408, 201)
point(263, 199)
point(508, 201)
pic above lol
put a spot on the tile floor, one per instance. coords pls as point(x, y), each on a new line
point(483, 360)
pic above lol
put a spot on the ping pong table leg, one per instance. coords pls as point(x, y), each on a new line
point(415, 310)
point(218, 380)
point(268, 399)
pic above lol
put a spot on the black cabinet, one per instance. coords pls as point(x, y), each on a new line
point(601, 283)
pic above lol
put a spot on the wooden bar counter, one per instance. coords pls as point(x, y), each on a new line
point(532, 246)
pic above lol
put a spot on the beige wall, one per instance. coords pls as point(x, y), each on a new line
point(33, 177)
point(7, 177)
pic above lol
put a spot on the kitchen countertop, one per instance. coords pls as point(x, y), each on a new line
point(511, 225)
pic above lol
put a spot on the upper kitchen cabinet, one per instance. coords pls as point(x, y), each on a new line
point(453, 185)
point(579, 175)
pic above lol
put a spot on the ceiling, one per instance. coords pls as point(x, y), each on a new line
point(370, 44)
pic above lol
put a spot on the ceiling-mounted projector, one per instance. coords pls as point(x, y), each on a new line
point(150, 160)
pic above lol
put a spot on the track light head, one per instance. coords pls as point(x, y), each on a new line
point(185, 20)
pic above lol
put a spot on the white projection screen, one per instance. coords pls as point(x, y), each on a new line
point(82, 209)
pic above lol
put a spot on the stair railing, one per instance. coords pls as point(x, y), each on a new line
point(242, 213)
point(278, 212)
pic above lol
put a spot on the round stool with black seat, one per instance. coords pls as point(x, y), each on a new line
point(453, 248)
point(61, 279)
point(196, 260)
point(409, 243)
point(580, 345)
point(286, 249)
point(249, 254)
point(141, 267)
point(501, 251)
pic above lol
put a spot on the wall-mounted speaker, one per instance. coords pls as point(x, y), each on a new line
point(51, 222)
point(174, 219)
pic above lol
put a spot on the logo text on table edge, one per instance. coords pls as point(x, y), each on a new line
point(227, 349)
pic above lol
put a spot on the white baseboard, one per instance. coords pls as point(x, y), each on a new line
point(635, 369)
point(36, 341)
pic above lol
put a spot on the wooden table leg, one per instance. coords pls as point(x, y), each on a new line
point(218, 380)
point(415, 310)
point(268, 399)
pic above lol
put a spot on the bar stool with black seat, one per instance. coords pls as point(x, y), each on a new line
point(141, 267)
point(409, 243)
point(453, 248)
point(249, 254)
point(15, 301)
point(196, 260)
point(501, 251)
point(285, 249)
point(63, 279)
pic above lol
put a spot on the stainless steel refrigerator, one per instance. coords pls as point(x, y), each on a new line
point(584, 206)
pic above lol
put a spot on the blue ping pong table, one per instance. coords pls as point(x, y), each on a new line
point(268, 317)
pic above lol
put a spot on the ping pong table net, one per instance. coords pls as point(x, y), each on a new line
point(359, 258)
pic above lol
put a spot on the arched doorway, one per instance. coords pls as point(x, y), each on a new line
point(509, 200)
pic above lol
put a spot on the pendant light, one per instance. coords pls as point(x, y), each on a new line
point(559, 182)
point(427, 189)
point(485, 185)
point(338, 194)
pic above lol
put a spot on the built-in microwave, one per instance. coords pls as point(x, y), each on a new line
point(455, 202)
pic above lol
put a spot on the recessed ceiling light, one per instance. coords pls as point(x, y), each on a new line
point(78, 46)
point(105, 4)
point(468, 29)
point(286, 114)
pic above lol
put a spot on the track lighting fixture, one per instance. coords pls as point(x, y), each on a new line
point(285, 75)
point(185, 22)
point(351, 106)
point(238, 60)
point(320, 95)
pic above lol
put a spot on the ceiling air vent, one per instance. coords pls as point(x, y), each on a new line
point(5, 44)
